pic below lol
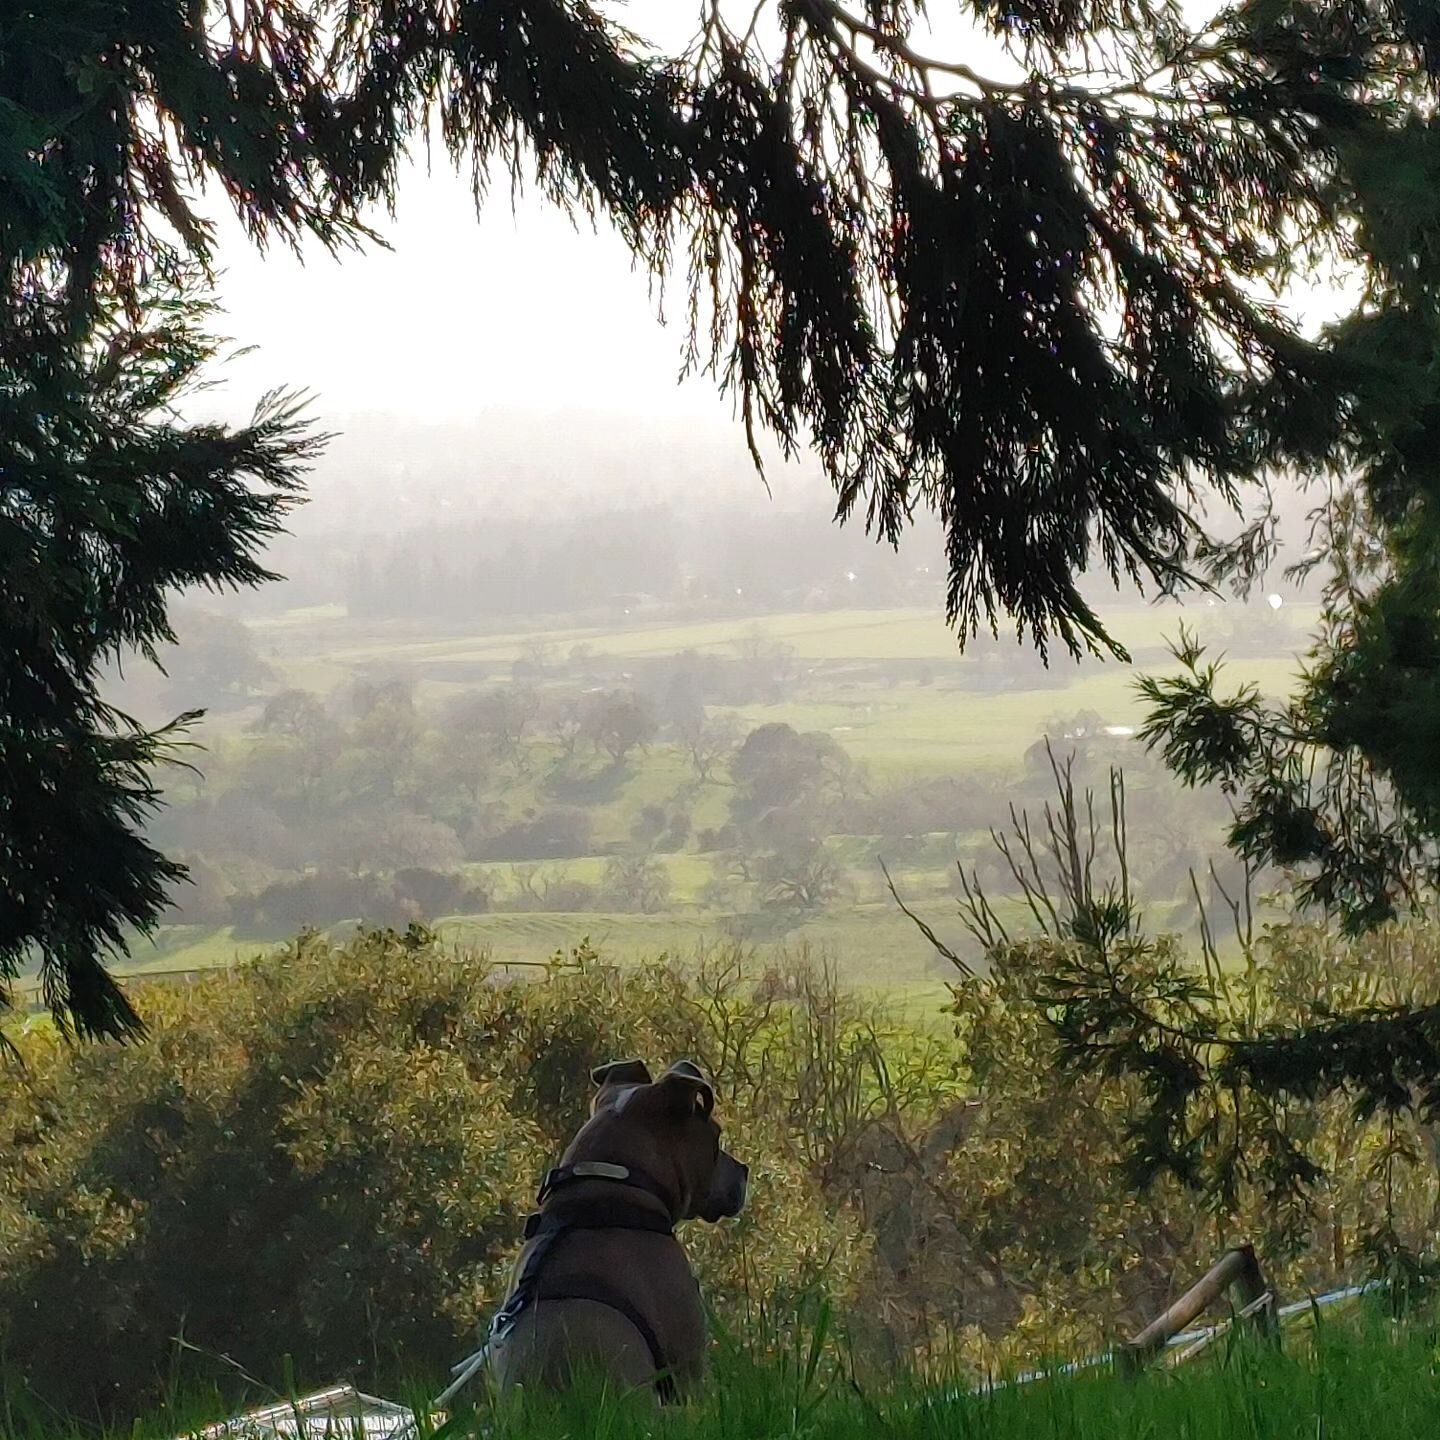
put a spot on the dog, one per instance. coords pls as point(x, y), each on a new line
point(602, 1288)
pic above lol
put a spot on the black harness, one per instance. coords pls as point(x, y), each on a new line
point(549, 1226)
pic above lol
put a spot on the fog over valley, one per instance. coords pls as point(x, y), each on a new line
point(546, 644)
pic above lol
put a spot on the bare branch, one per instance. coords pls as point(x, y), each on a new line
point(940, 946)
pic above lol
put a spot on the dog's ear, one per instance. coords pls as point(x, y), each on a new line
point(621, 1072)
point(686, 1089)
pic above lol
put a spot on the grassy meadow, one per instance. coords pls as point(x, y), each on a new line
point(890, 687)
point(893, 729)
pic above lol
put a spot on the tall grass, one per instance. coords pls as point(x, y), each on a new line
point(1376, 1381)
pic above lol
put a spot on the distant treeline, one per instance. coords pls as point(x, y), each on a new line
point(701, 558)
point(726, 560)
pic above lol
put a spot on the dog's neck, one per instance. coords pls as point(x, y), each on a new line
point(584, 1181)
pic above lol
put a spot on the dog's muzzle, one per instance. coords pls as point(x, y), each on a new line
point(727, 1189)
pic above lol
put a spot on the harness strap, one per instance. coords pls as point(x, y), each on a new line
point(597, 1291)
point(547, 1228)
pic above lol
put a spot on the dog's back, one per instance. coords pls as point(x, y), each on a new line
point(558, 1341)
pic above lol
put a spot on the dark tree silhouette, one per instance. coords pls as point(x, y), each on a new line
point(1340, 785)
point(106, 504)
point(616, 723)
point(1036, 303)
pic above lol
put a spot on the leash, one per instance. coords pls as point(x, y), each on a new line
point(547, 1229)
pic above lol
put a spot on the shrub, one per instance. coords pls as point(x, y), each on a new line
point(565, 895)
point(637, 882)
point(396, 841)
point(649, 824)
point(205, 900)
point(434, 893)
point(320, 898)
point(677, 833)
point(538, 890)
point(326, 1155)
point(561, 834)
point(324, 898)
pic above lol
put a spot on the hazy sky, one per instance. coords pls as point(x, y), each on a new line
point(511, 313)
point(514, 311)
point(507, 311)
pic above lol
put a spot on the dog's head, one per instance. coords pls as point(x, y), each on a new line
point(666, 1128)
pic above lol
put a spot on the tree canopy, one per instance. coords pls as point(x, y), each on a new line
point(1042, 303)
point(106, 504)
point(1339, 786)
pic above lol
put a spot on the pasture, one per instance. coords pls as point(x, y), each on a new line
point(891, 687)
point(940, 727)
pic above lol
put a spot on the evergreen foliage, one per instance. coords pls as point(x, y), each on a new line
point(1042, 305)
point(107, 504)
point(1340, 786)
point(1225, 1068)
point(1039, 305)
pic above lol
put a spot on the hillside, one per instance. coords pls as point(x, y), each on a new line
point(579, 779)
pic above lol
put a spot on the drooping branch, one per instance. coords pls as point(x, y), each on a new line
point(1036, 306)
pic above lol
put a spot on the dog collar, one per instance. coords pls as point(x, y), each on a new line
point(563, 1175)
point(599, 1170)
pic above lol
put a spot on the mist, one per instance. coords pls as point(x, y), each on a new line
point(547, 641)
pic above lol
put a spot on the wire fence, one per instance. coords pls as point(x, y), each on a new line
point(27, 995)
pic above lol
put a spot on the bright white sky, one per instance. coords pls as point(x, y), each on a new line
point(507, 311)
point(511, 312)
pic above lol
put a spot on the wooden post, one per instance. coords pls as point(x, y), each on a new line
point(1238, 1268)
point(1250, 1289)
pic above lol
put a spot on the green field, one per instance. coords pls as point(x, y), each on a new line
point(825, 635)
point(862, 940)
point(896, 730)
point(893, 729)
point(913, 729)
point(871, 943)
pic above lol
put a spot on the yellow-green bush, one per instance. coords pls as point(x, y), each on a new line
point(327, 1156)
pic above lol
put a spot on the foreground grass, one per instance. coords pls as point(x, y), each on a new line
point(1380, 1387)
point(1380, 1382)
